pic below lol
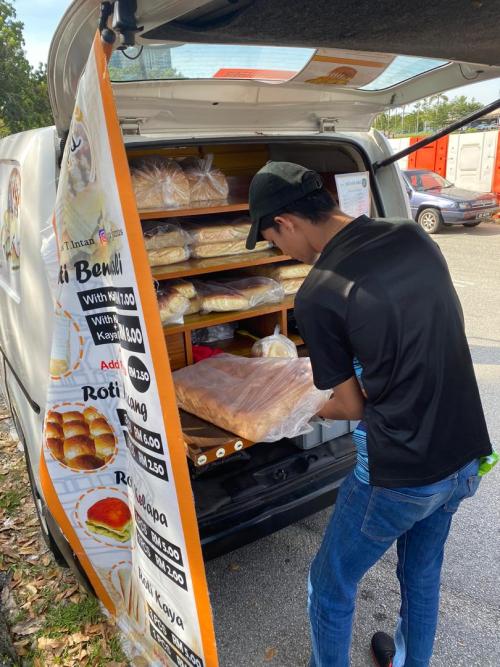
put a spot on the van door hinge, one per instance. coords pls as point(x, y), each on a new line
point(131, 125)
point(327, 124)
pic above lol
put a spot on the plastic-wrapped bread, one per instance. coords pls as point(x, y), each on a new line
point(292, 285)
point(184, 287)
point(160, 184)
point(226, 248)
point(172, 306)
point(276, 345)
point(194, 305)
point(207, 231)
point(262, 400)
point(166, 256)
point(158, 235)
point(238, 294)
point(206, 183)
point(284, 270)
point(219, 298)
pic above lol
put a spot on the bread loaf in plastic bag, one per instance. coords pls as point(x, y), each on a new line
point(206, 183)
point(238, 294)
point(262, 400)
point(160, 183)
point(159, 234)
point(276, 345)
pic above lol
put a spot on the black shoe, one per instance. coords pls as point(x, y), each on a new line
point(383, 649)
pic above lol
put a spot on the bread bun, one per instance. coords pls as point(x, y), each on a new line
point(100, 427)
point(56, 446)
point(53, 430)
point(72, 416)
point(72, 429)
point(54, 417)
point(105, 446)
point(85, 462)
point(78, 446)
point(91, 413)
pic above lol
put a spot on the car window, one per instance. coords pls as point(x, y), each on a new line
point(428, 180)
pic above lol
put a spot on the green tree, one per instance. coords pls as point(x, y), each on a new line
point(24, 102)
point(427, 115)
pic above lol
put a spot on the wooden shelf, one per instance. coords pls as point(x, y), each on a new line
point(196, 267)
point(206, 442)
point(200, 321)
point(233, 206)
point(240, 345)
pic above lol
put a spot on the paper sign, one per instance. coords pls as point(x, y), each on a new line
point(354, 193)
point(349, 69)
point(114, 468)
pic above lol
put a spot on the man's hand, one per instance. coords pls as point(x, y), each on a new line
point(347, 402)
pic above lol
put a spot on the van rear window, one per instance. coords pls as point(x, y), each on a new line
point(265, 63)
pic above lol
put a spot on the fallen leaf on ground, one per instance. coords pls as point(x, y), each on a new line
point(28, 627)
point(270, 654)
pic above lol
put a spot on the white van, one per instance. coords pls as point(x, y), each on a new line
point(234, 80)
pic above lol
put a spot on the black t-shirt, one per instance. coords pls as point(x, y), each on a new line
point(381, 291)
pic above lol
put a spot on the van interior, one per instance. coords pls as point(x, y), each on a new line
point(245, 490)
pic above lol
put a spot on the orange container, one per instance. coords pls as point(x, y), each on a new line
point(431, 157)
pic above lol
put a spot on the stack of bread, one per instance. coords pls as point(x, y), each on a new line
point(290, 275)
point(177, 298)
point(165, 243)
point(238, 294)
point(160, 183)
point(262, 400)
point(165, 183)
point(210, 238)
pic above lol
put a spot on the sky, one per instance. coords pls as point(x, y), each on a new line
point(41, 17)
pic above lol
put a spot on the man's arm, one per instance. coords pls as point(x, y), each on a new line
point(347, 402)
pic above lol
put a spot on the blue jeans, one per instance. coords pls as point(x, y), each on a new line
point(366, 521)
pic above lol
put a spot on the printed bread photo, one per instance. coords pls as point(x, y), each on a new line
point(80, 440)
point(111, 518)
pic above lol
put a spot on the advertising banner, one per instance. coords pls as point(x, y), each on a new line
point(114, 468)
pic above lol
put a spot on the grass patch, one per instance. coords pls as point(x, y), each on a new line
point(68, 617)
point(100, 657)
point(10, 500)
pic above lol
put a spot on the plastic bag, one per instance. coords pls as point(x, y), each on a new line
point(284, 271)
point(214, 334)
point(207, 231)
point(172, 306)
point(160, 184)
point(262, 400)
point(171, 255)
point(227, 248)
point(292, 285)
point(238, 294)
point(205, 182)
point(184, 287)
point(159, 235)
point(276, 345)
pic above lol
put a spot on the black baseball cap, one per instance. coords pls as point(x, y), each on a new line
point(275, 186)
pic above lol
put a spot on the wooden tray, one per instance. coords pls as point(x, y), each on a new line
point(206, 442)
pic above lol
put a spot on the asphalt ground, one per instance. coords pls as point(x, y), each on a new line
point(258, 592)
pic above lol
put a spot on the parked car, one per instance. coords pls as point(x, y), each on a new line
point(435, 202)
